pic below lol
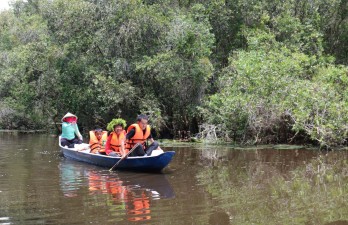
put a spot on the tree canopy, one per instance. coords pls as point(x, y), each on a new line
point(257, 71)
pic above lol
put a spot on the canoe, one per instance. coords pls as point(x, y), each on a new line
point(156, 162)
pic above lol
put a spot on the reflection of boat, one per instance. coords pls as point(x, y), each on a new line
point(73, 173)
point(131, 193)
point(156, 162)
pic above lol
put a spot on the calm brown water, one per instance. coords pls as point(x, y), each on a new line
point(202, 185)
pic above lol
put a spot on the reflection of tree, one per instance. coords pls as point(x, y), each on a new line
point(338, 222)
point(219, 217)
point(261, 192)
point(70, 179)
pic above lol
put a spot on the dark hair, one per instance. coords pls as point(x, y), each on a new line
point(118, 124)
point(142, 116)
point(98, 129)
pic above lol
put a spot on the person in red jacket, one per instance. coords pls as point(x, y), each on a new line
point(115, 144)
point(140, 132)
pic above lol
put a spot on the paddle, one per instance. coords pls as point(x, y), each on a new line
point(130, 151)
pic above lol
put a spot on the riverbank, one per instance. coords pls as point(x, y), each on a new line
point(201, 143)
point(23, 131)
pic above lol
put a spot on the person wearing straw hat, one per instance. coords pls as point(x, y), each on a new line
point(70, 131)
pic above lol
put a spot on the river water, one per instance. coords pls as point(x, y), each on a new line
point(202, 185)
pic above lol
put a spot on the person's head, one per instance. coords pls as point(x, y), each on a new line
point(98, 133)
point(118, 128)
point(69, 118)
point(116, 125)
point(142, 120)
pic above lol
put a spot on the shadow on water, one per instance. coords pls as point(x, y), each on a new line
point(128, 191)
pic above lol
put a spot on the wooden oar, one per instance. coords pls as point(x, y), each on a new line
point(130, 151)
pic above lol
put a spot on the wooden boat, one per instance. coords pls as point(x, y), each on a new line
point(156, 162)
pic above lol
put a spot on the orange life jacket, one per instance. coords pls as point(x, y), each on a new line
point(115, 142)
point(94, 143)
point(139, 136)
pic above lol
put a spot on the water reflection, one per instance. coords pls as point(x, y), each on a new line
point(219, 217)
point(339, 222)
point(278, 187)
point(132, 193)
point(213, 185)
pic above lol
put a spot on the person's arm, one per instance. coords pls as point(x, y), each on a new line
point(123, 150)
point(130, 134)
point(77, 132)
point(150, 138)
point(107, 145)
point(64, 130)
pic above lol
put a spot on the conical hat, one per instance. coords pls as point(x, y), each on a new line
point(68, 115)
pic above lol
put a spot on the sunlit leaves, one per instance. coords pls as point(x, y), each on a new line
point(271, 88)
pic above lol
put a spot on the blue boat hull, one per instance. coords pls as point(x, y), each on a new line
point(139, 163)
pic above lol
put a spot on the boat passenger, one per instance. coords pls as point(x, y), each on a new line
point(140, 132)
point(97, 140)
point(70, 131)
point(115, 144)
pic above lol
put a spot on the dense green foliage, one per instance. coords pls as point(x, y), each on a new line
point(251, 72)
